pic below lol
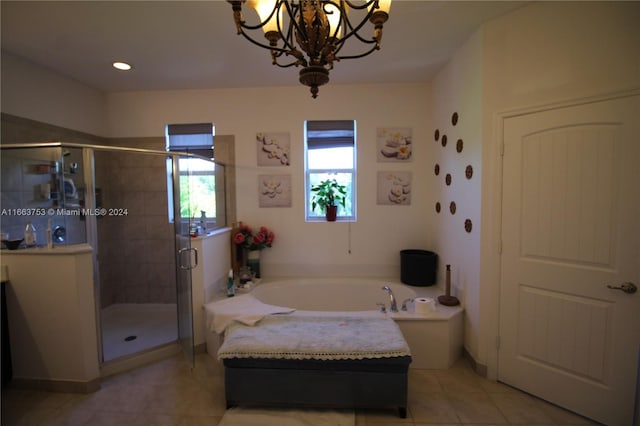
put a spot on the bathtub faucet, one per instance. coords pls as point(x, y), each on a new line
point(392, 298)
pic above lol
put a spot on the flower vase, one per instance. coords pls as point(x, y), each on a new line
point(253, 262)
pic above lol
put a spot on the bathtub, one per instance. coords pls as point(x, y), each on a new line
point(435, 342)
point(324, 295)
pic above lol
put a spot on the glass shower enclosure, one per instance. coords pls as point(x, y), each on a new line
point(126, 204)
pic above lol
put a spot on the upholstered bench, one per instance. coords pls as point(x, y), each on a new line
point(346, 362)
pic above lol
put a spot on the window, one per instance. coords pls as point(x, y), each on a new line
point(197, 188)
point(197, 176)
point(330, 153)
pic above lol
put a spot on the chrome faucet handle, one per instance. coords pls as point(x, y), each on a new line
point(383, 307)
point(392, 298)
point(404, 303)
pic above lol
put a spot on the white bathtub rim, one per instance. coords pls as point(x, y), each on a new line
point(442, 313)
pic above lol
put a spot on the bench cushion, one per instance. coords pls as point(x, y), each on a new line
point(319, 338)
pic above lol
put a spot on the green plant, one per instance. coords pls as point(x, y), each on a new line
point(327, 193)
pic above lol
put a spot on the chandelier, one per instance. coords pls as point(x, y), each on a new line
point(311, 33)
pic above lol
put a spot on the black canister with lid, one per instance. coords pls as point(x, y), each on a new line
point(418, 267)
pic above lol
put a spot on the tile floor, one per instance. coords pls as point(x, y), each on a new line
point(168, 392)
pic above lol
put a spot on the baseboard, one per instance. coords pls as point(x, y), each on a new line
point(63, 386)
point(480, 369)
point(200, 348)
point(130, 362)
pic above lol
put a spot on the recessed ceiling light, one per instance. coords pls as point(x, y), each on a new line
point(123, 66)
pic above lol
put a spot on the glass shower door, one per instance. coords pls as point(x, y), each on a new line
point(186, 256)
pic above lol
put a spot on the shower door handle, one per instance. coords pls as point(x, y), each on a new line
point(181, 253)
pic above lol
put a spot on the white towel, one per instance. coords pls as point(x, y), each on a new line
point(245, 309)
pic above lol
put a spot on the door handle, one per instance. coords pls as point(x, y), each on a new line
point(627, 287)
point(180, 257)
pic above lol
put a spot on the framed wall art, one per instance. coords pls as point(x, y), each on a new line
point(273, 148)
point(394, 188)
point(274, 190)
point(394, 144)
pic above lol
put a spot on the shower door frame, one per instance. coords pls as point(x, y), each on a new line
point(183, 275)
point(182, 241)
point(186, 260)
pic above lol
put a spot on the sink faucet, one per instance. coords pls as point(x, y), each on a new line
point(392, 298)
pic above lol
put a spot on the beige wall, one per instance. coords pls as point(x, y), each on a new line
point(33, 92)
point(458, 88)
point(303, 248)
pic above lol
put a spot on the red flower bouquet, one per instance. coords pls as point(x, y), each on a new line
point(245, 238)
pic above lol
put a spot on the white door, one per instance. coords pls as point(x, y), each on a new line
point(570, 227)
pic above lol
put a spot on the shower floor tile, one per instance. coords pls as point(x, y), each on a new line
point(128, 328)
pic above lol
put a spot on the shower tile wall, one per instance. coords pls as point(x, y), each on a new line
point(136, 250)
point(25, 172)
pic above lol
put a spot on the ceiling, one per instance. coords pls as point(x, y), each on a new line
point(193, 44)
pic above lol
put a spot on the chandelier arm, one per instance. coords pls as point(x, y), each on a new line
point(362, 55)
point(277, 55)
point(341, 43)
point(294, 63)
point(264, 46)
point(361, 6)
point(353, 31)
point(346, 23)
point(373, 48)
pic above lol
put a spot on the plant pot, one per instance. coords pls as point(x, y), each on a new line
point(332, 213)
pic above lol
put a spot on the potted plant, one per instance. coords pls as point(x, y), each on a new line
point(327, 195)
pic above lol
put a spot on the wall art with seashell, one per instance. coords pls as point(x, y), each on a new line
point(394, 144)
point(394, 188)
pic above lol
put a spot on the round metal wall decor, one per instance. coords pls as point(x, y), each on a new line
point(453, 207)
point(468, 171)
point(438, 207)
point(447, 179)
point(444, 140)
point(468, 225)
point(436, 169)
point(436, 135)
point(454, 118)
point(459, 145)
